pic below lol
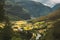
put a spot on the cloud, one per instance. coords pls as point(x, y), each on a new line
point(56, 1)
point(50, 3)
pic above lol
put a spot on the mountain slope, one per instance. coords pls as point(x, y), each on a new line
point(35, 8)
point(18, 12)
point(28, 9)
point(56, 7)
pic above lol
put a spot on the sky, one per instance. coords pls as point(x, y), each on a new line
point(50, 3)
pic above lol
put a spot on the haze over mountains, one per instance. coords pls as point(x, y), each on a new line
point(31, 8)
point(57, 6)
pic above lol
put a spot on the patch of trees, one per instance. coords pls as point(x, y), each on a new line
point(5, 33)
point(50, 17)
point(54, 15)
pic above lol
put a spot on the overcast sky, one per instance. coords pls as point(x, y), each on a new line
point(49, 3)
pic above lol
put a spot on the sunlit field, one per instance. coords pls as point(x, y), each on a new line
point(33, 29)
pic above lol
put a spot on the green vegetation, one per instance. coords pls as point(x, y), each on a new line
point(45, 28)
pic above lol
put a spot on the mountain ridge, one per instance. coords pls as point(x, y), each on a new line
point(35, 9)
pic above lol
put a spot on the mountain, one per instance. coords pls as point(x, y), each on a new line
point(29, 9)
point(56, 7)
point(35, 9)
point(13, 17)
point(17, 11)
point(53, 16)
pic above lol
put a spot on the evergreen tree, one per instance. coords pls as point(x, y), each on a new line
point(6, 31)
point(2, 14)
